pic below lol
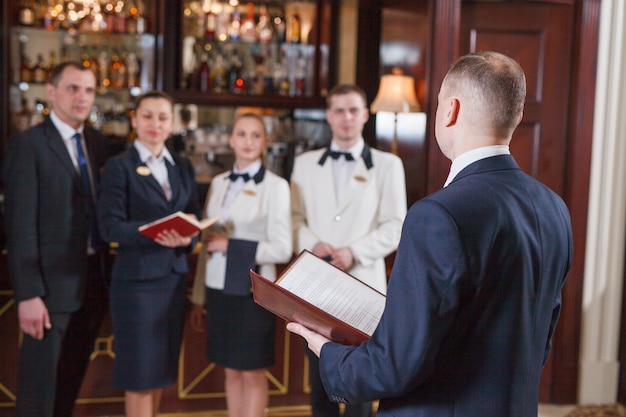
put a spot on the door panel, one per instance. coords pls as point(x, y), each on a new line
point(539, 37)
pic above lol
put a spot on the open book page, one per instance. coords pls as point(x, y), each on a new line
point(334, 291)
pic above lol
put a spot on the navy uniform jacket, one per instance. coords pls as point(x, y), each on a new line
point(131, 197)
point(473, 300)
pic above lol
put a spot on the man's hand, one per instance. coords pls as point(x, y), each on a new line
point(342, 258)
point(314, 340)
point(33, 317)
point(323, 250)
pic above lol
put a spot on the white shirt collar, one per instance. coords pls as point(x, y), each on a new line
point(472, 156)
point(145, 154)
point(66, 131)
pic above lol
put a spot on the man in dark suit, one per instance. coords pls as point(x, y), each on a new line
point(54, 252)
point(475, 291)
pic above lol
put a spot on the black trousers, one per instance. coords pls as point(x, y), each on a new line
point(51, 370)
point(82, 332)
point(321, 406)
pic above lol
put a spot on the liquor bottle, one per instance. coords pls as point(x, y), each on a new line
point(94, 64)
point(295, 27)
point(103, 64)
point(131, 17)
point(132, 66)
point(26, 70)
point(210, 23)
point(300, 78)
point(39, 112)
point(117, 71)
point(234, 31)
point(40, 71)
point(280, 28)
point(27, 13)
point(204, 74)
point(223, 23)
point(22, 118)
point(248, 25)
point(264, 28)
point(236, 83)
point(218, 75)
point(52, 62)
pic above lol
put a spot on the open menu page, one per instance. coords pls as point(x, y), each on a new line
point(334, 291)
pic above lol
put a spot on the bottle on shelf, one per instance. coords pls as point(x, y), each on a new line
point(236, 83)
point(280, 27)
point(132, 67)
point(218, 75)
point(117, 70)
point(52, 62)
point(22, 118)
point(94, 64)
point(210, 22)
point(27, 13)
point(234, 30)
point(103, 65)
point(39, 112)
point(26, 70)
point(295, 27)
point(248, 25)
point(40, 71)
point(223, 23)
point(203, 82)
point(264, 27)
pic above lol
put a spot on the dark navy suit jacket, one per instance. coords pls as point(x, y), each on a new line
point(131, 197)
point(47, 216)
point(473, 300)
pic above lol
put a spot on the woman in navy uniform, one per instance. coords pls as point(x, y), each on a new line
point(148, 287)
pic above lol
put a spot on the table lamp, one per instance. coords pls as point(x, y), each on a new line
point(396, 94)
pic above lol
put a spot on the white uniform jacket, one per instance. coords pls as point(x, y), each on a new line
point(260, 213)
point(368, 219)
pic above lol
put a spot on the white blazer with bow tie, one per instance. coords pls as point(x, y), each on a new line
point(260, 213)
point(368, 219)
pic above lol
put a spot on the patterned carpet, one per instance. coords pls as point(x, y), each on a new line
point(615, 410)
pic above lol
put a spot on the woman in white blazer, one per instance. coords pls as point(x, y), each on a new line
point(254, 233)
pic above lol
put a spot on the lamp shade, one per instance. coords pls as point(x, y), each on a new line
point(396, 93)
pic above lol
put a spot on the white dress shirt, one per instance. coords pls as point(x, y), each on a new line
point(472, 156)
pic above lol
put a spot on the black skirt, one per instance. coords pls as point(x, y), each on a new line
point(240, 333)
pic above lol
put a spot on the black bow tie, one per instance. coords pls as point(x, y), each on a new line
point(338, 154)
point(233, 177)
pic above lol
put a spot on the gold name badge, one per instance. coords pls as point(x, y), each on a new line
point(249, 192)
point(144, 171)
point(360, 178)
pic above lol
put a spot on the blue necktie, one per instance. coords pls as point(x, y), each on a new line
point(84, 176)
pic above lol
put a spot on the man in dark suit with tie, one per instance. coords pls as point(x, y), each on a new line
point(475, 291)
point(54, 253)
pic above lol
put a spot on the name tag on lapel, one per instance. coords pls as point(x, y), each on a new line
point(144, 171)
point(360, 178)
point(249, 192)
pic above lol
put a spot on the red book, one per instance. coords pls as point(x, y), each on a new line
point(185, 224)
point(323, 298)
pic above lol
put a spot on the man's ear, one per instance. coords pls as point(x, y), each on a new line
point(452, 112)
